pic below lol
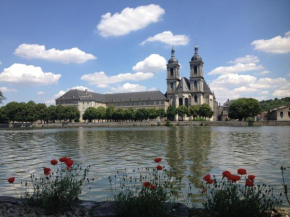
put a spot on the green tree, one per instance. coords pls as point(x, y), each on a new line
point(60, 113)
point(244, 108)
point(130, 114)
point(90, 114)
point(205, 111)
point(193, 111)
point(2, 97)
point(41, 112)
point(142, 114)
point(161, 113)
point(51, 113)
point(152, 113)
point(119, 114)
point(3, 115)
point(11, 111)
point(101, 113)
point(71, 113)
point(171, 112)
point(21, 113)
point(110, 112)
point(182, 111)
point(31, 114)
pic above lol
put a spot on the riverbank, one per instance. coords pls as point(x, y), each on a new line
point(14, 207)
point(146, 124)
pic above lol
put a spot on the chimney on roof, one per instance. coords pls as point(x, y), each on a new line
point(86, 91)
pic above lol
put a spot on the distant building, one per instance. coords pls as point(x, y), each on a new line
point(223, 111)
point(281, 113)
point(180, 91)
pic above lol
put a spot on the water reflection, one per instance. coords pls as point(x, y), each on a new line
point(193, 151)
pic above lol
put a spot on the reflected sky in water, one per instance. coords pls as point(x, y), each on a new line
point(193, 151)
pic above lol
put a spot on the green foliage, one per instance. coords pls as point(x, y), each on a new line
point(119, 114)
point(144, 192)
point(57, 190)
point(171, 112)
point(51, 113)
point(130, 114)
point(90, 114)
point(193, 111)
point(110, 112)
point(161, 113)
point(142, 114)
point(271, 104)
point(152, 113)
point(41, 111)
point(3, 116)
point(2, 97)
point(101, 113)
point(205, 111)
point(168, 123)
point(182, 111)
point(243, 108)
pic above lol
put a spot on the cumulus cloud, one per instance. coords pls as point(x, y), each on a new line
point(276, 45)
point(130, 19)
point(153, 63)
point(28, 74)
point(59, 94)
point(269, 83)
point(167, 37)
point(127, 87)
point(35, 51)
point(6, 89)
point(232, 80)
point(264, 72)
point(246, 59)
point(40, 93)
point(102, 80)
point(80, 88)
point(265, 92)
point(281, 93)
point(244, 90)
point(239, 67)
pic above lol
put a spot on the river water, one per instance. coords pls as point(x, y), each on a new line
point(193, 151)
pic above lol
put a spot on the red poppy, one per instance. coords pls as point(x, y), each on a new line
point(146, 184)
point(159, 167)
point(11, 180)
point(234, 178)
point(207, 177)
point(251, 177)
point(153, 187)
point(226, 174)
point(68, 168)
point(203, 190)
point(249, 183)
point(242, 171)
point(46, 170)
point(157, 160)
point(53, 162)
point(63, 159)
point(69, 162)
point(209, 181)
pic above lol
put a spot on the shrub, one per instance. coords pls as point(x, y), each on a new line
point(228, 198)
point(168, 123)
point(144, 192)
point(58, 187)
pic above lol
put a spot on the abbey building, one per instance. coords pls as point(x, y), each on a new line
point(180, 91)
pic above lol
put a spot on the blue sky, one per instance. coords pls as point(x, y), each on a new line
point(49, 47)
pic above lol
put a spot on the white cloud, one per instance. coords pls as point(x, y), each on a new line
point(130, 19)
point(246, 59)
point(35, 51)
point(59, 94)
point(269, 83)
point(264, 72)
point(167, 37)
point(127, 87)
point(80, 88)
point(28, 74)
point(244, 90)
point(40, 93)
point(265, 92)
point(102, 80)
point(239, 67)
point(153, 63)
point(223, 93)
point(282, 93)
point(5, 89)
point(50, 102)
point(232, 80)
point(277, 45)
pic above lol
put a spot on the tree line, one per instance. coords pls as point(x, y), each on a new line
point(31, 112)
point(112, 114)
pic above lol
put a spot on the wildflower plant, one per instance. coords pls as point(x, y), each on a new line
point(237, 195)
point(58, 187)
point(144, 192)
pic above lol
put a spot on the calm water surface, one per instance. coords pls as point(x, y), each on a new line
point(194, 151)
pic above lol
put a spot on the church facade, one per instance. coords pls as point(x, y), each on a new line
point(180, 91)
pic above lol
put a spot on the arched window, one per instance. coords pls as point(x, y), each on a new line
point(195, 84)
point(195, 70)
point(186, 102)
point(171, 71)
point(171, 86)
point(195, 98)
point(180, 101)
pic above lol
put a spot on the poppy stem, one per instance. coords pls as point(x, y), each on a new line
point(15, 190)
